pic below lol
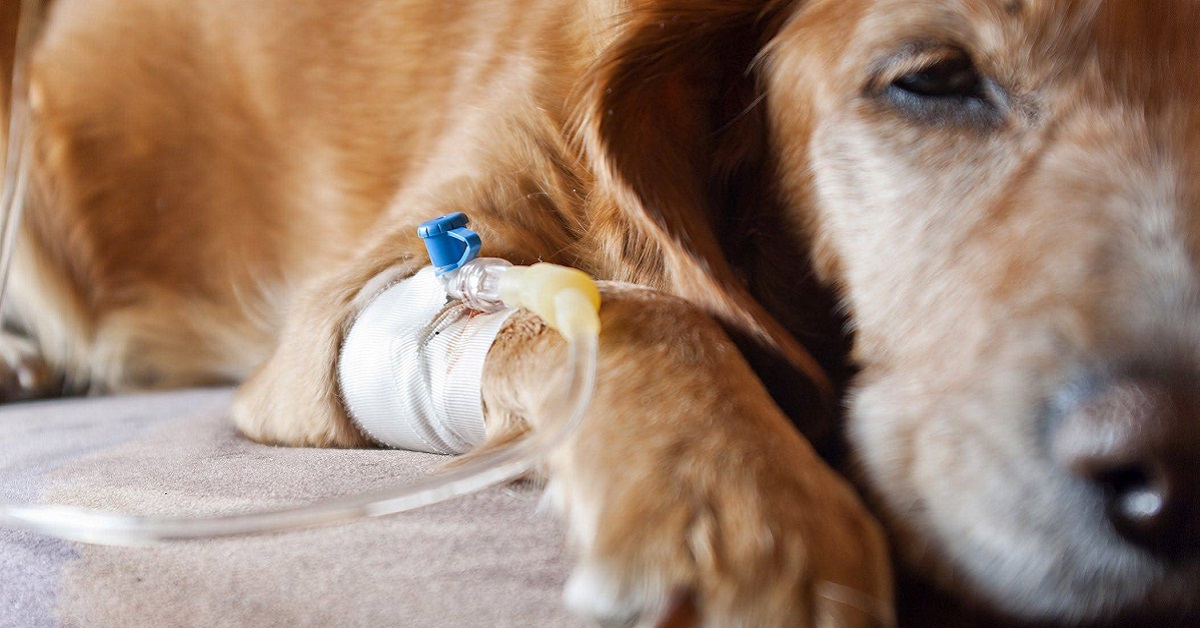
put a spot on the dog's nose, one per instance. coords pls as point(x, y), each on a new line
point(1136, 440)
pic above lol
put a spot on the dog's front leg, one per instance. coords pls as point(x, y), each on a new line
point(686, 483)
point(292, 399)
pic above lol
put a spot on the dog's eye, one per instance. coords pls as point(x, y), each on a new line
point(949, 78)
point(944, 87)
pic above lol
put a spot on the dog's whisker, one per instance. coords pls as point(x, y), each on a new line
point(860, 600)
point(742, 114)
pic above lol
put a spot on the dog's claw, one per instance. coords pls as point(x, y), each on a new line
point(24, 372)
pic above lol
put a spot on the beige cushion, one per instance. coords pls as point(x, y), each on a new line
point(493, 559)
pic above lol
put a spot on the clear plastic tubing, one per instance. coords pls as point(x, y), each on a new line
point(16, 164)
point(479, 472)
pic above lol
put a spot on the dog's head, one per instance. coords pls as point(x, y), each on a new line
point(1006, 196)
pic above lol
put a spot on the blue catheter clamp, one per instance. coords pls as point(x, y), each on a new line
point(449, 242)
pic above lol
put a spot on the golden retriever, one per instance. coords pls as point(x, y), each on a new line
point(1000, 198)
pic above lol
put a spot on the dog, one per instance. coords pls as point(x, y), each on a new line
point(998, 200)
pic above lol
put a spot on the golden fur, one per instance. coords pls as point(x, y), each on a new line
point(216, 181)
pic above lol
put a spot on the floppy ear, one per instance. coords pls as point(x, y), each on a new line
point(673, 130)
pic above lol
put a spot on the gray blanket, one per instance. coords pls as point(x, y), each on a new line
point(493, 559)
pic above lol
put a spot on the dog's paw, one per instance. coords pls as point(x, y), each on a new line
point(726, 542)
point(292, 399)
point(24, 372)
point(288, 402)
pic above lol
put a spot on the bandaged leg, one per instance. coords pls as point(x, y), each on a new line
point(411, 367)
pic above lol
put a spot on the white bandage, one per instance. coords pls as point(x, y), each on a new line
point(411, 368)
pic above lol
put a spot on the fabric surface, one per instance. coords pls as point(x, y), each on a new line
point(493, 559)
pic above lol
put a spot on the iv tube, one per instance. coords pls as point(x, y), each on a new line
point(480, 472)
point(16, 164)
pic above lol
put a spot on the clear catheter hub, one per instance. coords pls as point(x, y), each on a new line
point(566, 298)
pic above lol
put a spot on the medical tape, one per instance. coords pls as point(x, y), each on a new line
point(411, 367)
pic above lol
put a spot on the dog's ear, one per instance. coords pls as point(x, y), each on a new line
point(673, 130)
